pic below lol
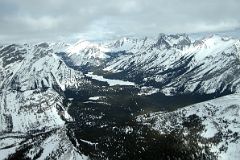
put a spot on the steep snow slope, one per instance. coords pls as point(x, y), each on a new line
point(214, 124)
point(31, 101)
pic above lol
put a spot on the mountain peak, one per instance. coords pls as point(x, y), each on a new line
point(173, 40)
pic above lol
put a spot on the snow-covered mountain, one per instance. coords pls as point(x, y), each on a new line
point(170, 62)
point(84, 52)
point(213, 124)
point(208, 65)
point(94, 53)
point(31, 104)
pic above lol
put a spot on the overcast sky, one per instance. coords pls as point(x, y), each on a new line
point(49, 20)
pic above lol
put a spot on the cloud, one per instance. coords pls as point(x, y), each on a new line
point(46, 20)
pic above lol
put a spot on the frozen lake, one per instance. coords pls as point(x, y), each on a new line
point(111, 82)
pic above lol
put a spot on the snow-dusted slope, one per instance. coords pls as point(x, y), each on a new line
point(32, 80)
point(214, 123)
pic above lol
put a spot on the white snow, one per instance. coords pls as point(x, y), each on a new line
point(111, 82)
point(212, 46)
point(89, 142)
point(128, 129)
point(148, 90)
point(94, 50)
point(95, 98)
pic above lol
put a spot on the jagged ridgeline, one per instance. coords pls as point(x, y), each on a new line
point(121, 99)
